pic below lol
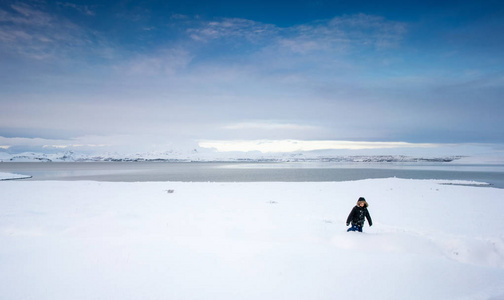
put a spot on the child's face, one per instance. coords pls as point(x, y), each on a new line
point(361, 204)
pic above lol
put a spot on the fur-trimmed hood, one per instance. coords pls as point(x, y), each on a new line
point(361, 199)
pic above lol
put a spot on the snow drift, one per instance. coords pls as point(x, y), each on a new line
point(176, 240)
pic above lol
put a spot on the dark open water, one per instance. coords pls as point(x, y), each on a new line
point(252, 172)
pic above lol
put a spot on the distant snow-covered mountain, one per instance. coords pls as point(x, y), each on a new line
point(195, 156)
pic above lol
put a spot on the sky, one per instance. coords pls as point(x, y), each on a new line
point(150, 76)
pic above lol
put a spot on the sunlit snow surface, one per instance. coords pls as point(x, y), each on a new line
point(182, 240)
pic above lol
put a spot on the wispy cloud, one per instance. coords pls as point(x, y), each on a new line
point(32, 32)
point(84, 9)
point(365, 30)
point(24, 14)
point(164, 62)
point(194, 77)
point(25, 30)
point(233, 28)
point(340, 33)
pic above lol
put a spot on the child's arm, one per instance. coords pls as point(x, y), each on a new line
point(368, 217)
point(350, 217)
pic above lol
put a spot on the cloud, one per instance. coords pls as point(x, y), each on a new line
point(343, 35)
point(279, 146)
point(364, 30)
point(19, 142)
point(182, 78)
point(233, 28)
point(82, 144)
point(164, 62)
point(31, 31)
point(73, 146)
point(268, 126)
point(25, 14)
point(352, 32)
point(84, 9)
point(26, 31)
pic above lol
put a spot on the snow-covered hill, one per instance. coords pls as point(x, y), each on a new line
point(177, 156)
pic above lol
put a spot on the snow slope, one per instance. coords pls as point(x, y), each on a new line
point(175, 240)
point(10, 176)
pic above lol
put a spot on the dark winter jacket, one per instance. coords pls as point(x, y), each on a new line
point(356, 216)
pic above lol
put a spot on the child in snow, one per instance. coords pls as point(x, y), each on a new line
point(357, 215)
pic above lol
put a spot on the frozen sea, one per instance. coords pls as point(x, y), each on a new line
point(253, 172)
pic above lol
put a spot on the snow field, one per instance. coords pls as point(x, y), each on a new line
point(176, 240)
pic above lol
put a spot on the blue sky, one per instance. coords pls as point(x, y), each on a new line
point(127, 76)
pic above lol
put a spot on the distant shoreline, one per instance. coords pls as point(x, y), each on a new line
point(293, 158)
point(492, 175)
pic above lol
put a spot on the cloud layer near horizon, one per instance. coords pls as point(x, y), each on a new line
point(269, 146)
point(113, 77)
